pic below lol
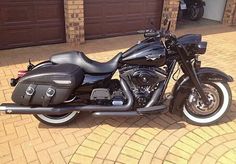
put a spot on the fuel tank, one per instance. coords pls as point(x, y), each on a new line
point(145, 54)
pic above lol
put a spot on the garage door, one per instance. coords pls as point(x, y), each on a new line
point(104, 18)
point(31, 22)
point(214, 9)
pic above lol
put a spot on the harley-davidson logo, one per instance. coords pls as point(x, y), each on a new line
point(215, 79)
point(152, 57)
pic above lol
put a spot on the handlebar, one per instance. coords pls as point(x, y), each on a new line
point(170, 39)
point(150, 33)
point(154, 33)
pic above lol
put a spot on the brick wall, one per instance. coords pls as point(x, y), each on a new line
point(74, 17)
point(230, 13)
point(234, 14)
point(170, 10)
point(234, 20)
point(74, 20)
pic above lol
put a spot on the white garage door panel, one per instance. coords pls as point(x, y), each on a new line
point(214, 9)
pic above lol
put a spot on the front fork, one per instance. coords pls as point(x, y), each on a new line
point(190, 70)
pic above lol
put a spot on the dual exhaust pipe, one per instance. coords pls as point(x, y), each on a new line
point(98, 110)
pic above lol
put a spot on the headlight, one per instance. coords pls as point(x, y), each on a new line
point(201, 47)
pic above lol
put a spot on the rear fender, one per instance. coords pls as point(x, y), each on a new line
point(14, 81)
point(183, 86)
point(43, 64)
point(198, 3)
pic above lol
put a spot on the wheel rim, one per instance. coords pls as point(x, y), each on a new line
point(196, 106)
point(57, 119)
point(194, 12)
point(225, 100)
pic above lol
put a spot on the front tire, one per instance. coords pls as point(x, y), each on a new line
point(219, 94)
point(57, 120)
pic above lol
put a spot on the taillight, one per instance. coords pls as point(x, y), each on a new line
point(21, 73)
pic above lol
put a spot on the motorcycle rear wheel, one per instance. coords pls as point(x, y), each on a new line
point(196, 13)
point(220, 97)
point(57, 120)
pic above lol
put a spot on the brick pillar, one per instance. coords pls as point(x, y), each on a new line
point(170, 10)
point(234, 20)
point(74, 20)
point(230, 13)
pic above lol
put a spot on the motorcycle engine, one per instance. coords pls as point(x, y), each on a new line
point(143, 81)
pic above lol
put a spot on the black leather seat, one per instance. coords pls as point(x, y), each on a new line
point(88, 65)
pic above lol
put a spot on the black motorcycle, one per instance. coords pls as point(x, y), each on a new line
point(192, 9)
point(55, 91)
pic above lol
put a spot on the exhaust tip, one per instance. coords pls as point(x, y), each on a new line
point(3, 108)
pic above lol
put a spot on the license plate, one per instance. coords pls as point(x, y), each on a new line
point(183, 6)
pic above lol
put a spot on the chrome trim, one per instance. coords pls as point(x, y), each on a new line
point(62, 81)
point(3, 108)
point(71, 100)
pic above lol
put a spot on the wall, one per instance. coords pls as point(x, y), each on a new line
point(170, 10)
point(234, 19)
point(214, 9)
point(74, 20)
point(74, 17)
point(230, 13)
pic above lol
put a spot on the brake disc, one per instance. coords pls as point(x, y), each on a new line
point(196, 105)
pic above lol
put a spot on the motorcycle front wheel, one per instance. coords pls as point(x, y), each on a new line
point(57, 120)
point(220, 98)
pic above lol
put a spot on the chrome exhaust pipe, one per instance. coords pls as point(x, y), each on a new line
point(16, 109)
point(2, 108)
point(121, 114)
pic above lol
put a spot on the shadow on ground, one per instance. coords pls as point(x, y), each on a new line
point(166, 121)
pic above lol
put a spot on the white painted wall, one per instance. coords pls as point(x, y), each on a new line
point(214, 9)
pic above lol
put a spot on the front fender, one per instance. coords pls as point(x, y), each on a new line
point(183, 86)
point(214, 75)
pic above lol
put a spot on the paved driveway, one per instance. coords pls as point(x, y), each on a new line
point(149, 139)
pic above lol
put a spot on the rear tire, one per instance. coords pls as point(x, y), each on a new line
point(192, 115)
point(57, 120)
point(196, 13)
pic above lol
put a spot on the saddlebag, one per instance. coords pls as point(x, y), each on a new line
point(47, 86)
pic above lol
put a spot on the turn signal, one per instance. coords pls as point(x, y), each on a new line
point(21, 73)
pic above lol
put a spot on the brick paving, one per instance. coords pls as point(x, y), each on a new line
point(149, 139)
